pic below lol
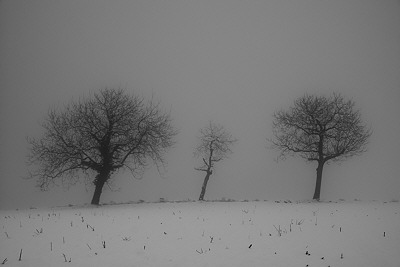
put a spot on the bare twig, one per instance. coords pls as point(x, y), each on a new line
point(278, 229)
point(65, 258)
point(126, 238)
point(88, 225)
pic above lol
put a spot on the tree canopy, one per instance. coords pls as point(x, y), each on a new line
point(320, 128)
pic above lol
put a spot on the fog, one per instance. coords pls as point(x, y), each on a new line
point(233, 62)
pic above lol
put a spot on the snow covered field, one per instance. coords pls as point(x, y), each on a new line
point(204, 234)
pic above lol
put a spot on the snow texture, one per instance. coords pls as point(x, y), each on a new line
point(204, 234)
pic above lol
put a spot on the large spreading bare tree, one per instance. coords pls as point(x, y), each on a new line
point(100, 135)
point(214, 145)
point(320, 129)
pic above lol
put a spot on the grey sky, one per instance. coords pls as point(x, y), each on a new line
point(235, 62)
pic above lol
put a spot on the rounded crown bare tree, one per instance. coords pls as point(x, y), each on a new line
point(214, 145)
point(100, 135)
point(320, 129)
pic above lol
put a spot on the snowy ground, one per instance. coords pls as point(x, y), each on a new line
point(204, 234)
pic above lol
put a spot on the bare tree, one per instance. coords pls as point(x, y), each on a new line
point(214, 145)
point(100, 135)
point(320, 129)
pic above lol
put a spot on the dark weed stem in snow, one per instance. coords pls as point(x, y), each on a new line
point(279, 230)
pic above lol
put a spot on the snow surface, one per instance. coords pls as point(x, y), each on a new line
point(204, 234)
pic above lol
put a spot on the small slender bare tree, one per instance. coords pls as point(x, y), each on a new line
point(105, 133)
point(320, 129)
point(214, 145)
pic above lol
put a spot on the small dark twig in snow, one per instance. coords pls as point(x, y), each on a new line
point(279, 230)
point(38, 232)
point(65, 258)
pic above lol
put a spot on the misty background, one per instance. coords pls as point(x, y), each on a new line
point(230, 61)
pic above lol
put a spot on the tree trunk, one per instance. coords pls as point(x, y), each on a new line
point(203, 188)
point(317, 192)
point(99, 182)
